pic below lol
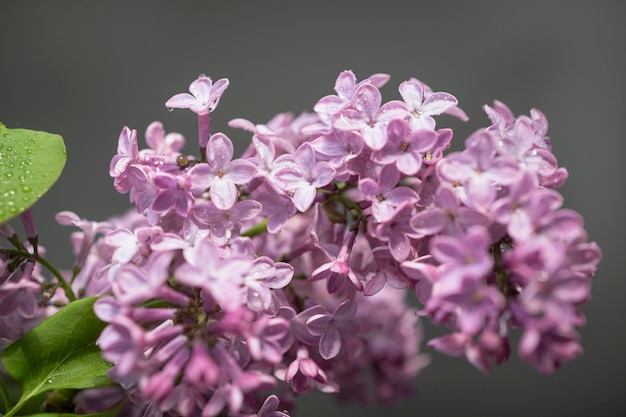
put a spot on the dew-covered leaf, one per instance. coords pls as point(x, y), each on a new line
point(30, 163)
point(60, 352)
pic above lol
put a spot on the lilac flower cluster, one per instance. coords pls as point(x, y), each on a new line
point(279, 270)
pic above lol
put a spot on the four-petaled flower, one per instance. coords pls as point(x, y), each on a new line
point(204, 97)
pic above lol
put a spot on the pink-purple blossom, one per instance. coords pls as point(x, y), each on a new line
point(237, 283)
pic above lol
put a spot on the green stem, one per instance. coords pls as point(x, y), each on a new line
point(62, 282)
point(5, 395)
point(256, 230)
point(502, 277)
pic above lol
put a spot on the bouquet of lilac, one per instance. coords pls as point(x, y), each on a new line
point(237, 284)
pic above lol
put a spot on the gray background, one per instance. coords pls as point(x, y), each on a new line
point(85, 69)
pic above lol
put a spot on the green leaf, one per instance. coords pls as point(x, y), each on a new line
point(60, 352)
point(30, 163)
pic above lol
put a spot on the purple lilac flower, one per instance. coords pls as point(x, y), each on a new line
point(397, 231)
point(384, 194)
point(333, 328)
point(339, 148)
point(88, 235)
point(208, 269)
point(264, 275)
point(478, 171)
point(464, 257)
point(368, 116)
point(304, 177)
point(303, 373)
point(162, 143)
point(224, 224)
point(448, 215)
point(338, 272)
point(358, 195)
point(204, 97)
point(221, 173)
point(345, 85)
point(385, 270)
point(127, 154)
point(173, 193)
point(421, 107)
point(404, 148)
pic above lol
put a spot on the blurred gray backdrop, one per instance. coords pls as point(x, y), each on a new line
point(85, 69)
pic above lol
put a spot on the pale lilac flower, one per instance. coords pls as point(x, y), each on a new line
point(18, 295)
point(133, 284)
point(298, 324)
point(224, 224)
point(204, 97)
point(405, 149)
point(266, 337)
point(263, 276)
point(230, 392)
point(127, 154)
point(447, 216)
point(546, 347)
point(202, 369)
point(277, 207)
point(423, 274)
point(435, 153)
point(160, 142)
point(476, 305)
point(368, 116)
point(333, 328)
point(221, 173)
point(206, 268)
point(284, 131)
point(174, 191)
point(143, 191)
point(128, 244)
point(338, 272)
point(87, 237)
point(462, 257)
point(478, 170)
point(303, 374)
point(397, 231)
point(345, 85)
point(123, 343)
point(159, 387)
point(304, 177)
point(421, 108)
point(339, 148)
point(386, 271)
point(385, 195)
point(524, 138)
point(265, 160)
point(525, 212)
